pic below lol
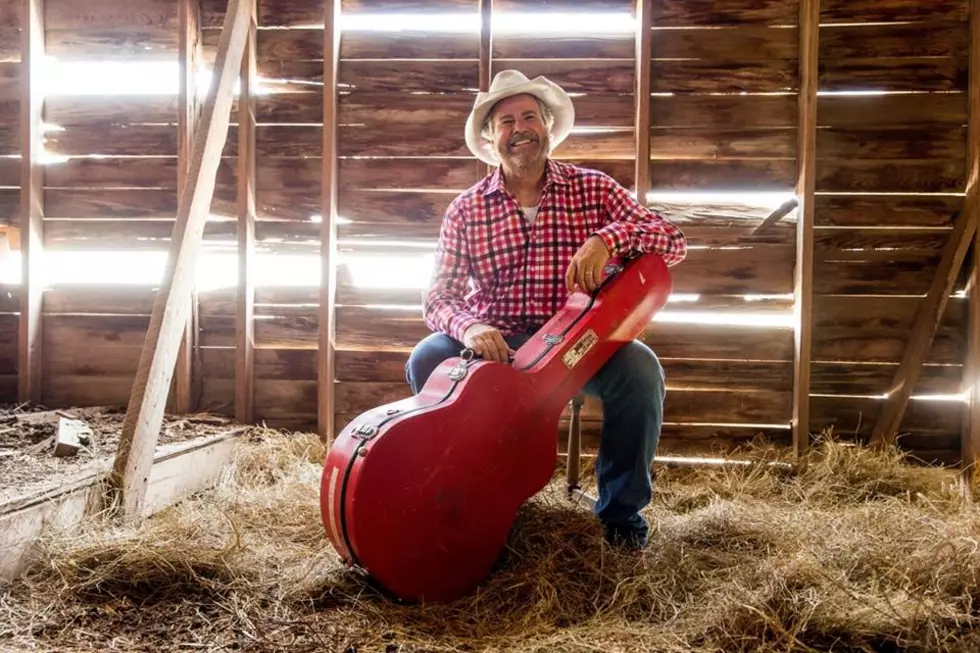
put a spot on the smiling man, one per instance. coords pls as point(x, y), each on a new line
point(511, 250)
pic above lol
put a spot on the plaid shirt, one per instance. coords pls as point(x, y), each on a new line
point(492, 267)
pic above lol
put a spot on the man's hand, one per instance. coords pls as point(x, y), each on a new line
point(488, 342)
point(585, 268)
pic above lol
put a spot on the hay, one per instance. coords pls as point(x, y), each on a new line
point(859, 551)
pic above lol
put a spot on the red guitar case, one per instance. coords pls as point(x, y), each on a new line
point(421, 493)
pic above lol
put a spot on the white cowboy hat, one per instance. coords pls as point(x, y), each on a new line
point(508, 83)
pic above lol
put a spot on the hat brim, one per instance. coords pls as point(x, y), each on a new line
point(540, 87)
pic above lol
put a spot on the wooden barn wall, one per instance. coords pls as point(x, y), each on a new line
point(723, 116)
point(9, 188)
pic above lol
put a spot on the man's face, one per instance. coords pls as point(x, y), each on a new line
point(520, 135)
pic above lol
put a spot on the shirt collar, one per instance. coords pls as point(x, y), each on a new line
point(553, 175)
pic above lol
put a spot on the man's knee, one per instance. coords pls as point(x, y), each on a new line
point(635, 370)
point(426, 357)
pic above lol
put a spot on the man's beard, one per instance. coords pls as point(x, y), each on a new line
point(527, 156)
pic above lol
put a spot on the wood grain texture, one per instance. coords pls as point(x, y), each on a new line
point(910, 276)
point(138, 43)
point(731, 143)
point(114, 140)
point(586, 6)
point(725, 76)
point(271, 13)
point(702, 13)
point(895, 110)
point(610, 76)
point(155, 172)
point(107, 109)
point(890, 175)
point(726, 44)
point(928, 39)
point(723, 111)
point(866, 11)
point(407, 45)
point(920, 144)
point(893, 74)
point(559, 46)
point(885, 211)
point(854, 417)
point(407, 75)
point(970, 436)
point(81, 203)
point(440, 174)
point(102, 14)
point(707, 174)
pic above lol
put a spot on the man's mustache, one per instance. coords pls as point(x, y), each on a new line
point(523, 136)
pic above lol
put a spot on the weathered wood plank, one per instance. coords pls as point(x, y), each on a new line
point(137, 43)
point(155, 172)
point(270, 364)
point(82, 203)
point(892, 110)
point(610, 76)
point(559, 46)
point(869, 11)
point(102, 14)
point(740, 76)
point(885, 211)
point(909, 276)
point(723, 111)
point(732, 143)
point(702, 13)
point(114, 140)
point(386, 75)
point(611, 6)
point(406, 174)
point(708, 174)
point(891, 175)
point(406, 45)
point(893, 74)
point(847, 244)
point(876, 379)
point(921, 144)
point(271, 13)
point(726, 44)
point(934, 39)
point(92, 110)
point(855, 417)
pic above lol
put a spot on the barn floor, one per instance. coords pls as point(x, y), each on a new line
point(859, 552)
point(27, 442)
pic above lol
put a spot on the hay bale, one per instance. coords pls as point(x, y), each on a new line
point(860, 551)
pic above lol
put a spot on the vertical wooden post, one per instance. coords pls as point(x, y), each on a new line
point(144, 415)
point(805, 188)
point(244, 322)
point(328, 226)
point(971, 440)
point(190, 52)
point(486, 62)
point(31, 200)
point(644, 36)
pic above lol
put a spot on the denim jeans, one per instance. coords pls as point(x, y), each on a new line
point(631, 387)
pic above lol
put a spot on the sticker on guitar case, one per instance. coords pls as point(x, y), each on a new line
point(579, 349)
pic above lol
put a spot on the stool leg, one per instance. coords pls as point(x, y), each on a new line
point(574, 446)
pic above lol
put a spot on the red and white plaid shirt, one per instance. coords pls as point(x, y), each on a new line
point(492, 267)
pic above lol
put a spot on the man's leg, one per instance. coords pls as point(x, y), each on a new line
point(434, 349)
point(632, 387)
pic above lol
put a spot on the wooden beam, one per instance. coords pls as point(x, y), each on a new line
point(31, 200)
point(245, 314)
point(971, 439)
point(486, 63)
point(644, 35)
point(328, 226)
point(191, 53)
point(926, 322)
point(172, 307)
point(805, 187)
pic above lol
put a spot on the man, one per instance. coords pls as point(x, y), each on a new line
point(526, 236)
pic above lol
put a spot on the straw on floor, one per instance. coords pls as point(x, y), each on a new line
point(860, 551)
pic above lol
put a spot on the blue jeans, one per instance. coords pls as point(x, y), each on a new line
point(631, 387)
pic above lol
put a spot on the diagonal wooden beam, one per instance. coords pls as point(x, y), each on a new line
point(245, 312)
point(644, 36)
point(190, 55)
point(31, 201)
point(926, 322)
point(805, 188)
point(144, 415)
point(971, 439)
point(327, 338)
